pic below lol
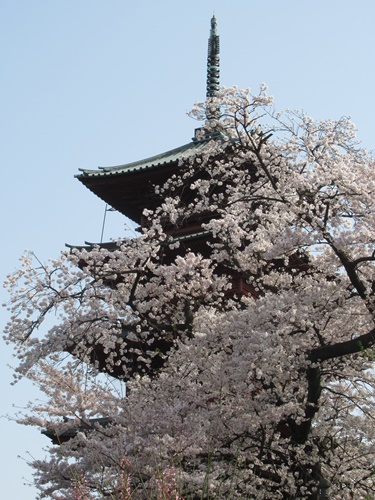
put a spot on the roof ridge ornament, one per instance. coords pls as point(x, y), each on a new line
point(213, 60)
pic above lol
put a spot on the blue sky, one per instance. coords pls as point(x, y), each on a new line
point(86, 83)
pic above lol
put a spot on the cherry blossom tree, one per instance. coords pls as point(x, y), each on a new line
point(266, 392)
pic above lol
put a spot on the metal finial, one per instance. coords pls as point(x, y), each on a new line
point(213, 60)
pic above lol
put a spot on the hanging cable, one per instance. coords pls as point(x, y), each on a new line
point(110, 209)
point(104, 218)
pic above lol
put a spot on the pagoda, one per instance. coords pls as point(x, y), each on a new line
point(130, 189)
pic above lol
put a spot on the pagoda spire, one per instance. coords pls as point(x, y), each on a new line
point(213, 60)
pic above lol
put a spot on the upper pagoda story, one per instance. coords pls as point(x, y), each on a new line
point(129, 188)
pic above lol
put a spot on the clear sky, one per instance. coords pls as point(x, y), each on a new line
point(85, 83)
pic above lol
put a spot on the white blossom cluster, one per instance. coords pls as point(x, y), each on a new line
point(259, 392)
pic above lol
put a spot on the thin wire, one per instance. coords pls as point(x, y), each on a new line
point(105, 215)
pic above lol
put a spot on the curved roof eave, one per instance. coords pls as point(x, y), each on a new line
point(172, 156)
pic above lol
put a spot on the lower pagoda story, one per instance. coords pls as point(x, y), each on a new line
point(158, 341)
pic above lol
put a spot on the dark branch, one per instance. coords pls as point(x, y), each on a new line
point(346, 348)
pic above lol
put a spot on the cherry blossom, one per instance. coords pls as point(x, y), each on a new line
point(261, 392)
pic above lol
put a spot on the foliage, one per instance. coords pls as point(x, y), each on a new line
point(245, 395)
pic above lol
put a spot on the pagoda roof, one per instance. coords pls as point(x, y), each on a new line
point(129, 188)
point(64, 436)
point(114, 245)
point(169, 157)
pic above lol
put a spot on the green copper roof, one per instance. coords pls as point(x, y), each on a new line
point(172, 156)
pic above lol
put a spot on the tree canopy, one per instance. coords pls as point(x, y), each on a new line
point(259, 393)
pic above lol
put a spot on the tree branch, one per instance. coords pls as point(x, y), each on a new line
point(346, 348)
